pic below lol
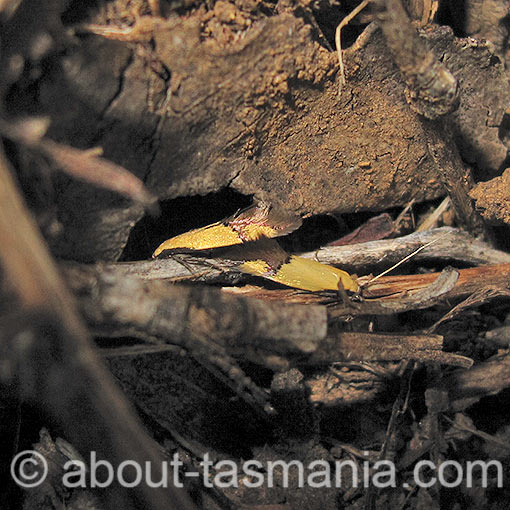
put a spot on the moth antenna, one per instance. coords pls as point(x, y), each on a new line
point(405, 259)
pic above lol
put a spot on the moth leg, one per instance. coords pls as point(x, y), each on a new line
point(349, 301)
point(342, 294)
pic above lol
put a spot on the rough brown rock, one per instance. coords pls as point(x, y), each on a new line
point(190, 117)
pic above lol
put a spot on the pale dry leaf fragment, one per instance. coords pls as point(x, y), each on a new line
point(338, 44)
point(85, 165)
point(89, 167)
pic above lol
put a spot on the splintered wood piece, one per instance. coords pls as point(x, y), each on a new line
point(432, 219)
point(395, 294)
point(444, 244)
point(375, 228)
point(454, 175)
point(448, 244)
point(203, 320)
point(385, 347)
point(421, 298)
point(480, 297)
point(468, 387)
point(48, 351)
point(195, 317)
point(432, 90)
point(470, 280)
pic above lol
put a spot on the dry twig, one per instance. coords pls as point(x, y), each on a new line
point(47, 349)
point(449, 244)
point(432, 90)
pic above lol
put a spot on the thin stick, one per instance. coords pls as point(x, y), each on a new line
point(401, 216)
point(431, 220)
point(338, 44)
point(456, 178)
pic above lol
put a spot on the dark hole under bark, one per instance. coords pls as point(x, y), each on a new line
point(180, 215)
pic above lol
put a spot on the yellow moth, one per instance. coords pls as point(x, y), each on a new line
point(249, 233)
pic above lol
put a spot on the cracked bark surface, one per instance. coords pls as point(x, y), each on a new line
point(191, 118)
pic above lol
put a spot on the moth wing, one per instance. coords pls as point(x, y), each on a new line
point(255, 222)
point(205, 238)
point(307, 274)
point(261, 220)
point(267, 259)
